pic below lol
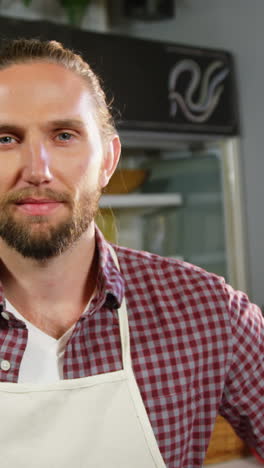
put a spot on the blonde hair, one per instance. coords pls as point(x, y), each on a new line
point(16, 51)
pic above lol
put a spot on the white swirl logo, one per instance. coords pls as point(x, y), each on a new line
point(210, 90)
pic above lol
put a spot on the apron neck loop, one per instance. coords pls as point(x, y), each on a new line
point(123, 323)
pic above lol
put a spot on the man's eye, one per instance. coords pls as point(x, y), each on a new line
point(6, 139)
point(64, 136)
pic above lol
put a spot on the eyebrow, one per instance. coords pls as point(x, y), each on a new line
point(61, 123)
point(64, 123)
point(10, 128)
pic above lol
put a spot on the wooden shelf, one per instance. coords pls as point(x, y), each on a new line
point(240, 463)
point(225, 445)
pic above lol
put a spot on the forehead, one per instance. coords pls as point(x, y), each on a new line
point(41, 88)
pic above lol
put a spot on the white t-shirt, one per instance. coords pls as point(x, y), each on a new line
point(42, 361)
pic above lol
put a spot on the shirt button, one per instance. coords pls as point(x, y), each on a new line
point(5, 365)
point(5, 315)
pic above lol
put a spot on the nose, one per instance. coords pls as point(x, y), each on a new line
point(36, 163)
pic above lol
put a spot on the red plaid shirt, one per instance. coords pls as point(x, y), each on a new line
point(197, 349)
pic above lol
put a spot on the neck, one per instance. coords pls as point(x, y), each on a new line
point(51, 295)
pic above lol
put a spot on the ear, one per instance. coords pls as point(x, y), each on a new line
point(110, 161)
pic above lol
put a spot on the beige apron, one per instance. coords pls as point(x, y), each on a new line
point(98, 421)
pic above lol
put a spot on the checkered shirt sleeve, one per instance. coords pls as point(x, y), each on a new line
point(243, 396)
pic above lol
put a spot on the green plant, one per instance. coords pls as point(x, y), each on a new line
point(75, 9)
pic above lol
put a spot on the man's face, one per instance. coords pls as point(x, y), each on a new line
point(52, 161)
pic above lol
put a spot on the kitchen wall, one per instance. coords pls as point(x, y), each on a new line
point(95, 18)
point(235, 25)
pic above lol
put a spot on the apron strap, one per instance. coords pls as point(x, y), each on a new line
point(123, 323)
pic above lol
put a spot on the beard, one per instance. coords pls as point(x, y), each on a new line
point(35, 237)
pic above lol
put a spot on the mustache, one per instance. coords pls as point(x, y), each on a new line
point(19, 195)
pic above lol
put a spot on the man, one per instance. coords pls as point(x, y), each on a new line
point(109, 357)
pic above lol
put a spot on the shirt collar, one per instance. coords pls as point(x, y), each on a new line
point(110, 283)
point(109, 280)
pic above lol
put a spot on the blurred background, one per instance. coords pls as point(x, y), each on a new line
point(228, 219)
point(187, 81)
